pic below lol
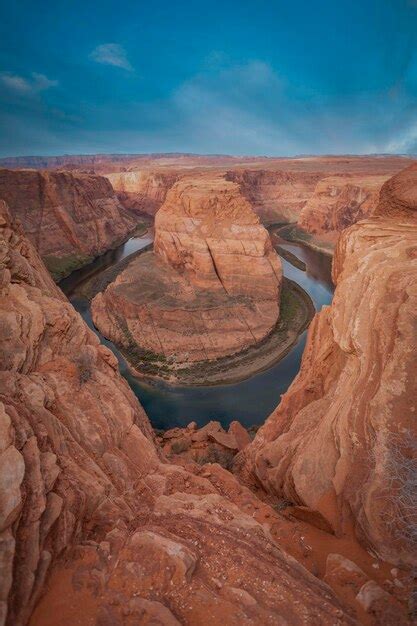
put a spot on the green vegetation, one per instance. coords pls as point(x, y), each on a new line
point(60, 267)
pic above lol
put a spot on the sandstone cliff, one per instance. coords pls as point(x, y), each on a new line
point(70, 218)
point(276, 195)
point(95, 528)
point(210, 289)
point(343, 439)
point(143, 191)
point(339, 202)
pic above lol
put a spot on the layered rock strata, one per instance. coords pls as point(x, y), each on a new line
point(210, 289)
point(70, 218)
point(339, 202)
point(343, 439)
point(95, 528)
point(277, 196)
point(143, 191)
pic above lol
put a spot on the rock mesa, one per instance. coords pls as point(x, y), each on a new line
point(210, 289)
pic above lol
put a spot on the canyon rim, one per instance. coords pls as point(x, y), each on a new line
point(208, 314)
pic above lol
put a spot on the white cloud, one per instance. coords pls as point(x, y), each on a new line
point(404, 142)
point(34, 84)
point(111, 54)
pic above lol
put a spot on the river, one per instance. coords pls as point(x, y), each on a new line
point(249, 401)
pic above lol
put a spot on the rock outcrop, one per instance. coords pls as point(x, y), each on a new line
point(210, 289)
point(277, 196)
point(343, 439)
point(70, 218)
point(339, 202)
point(143, 191)
point(95, 527)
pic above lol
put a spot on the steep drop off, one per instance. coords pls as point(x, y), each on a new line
point(70, 218)
point(343, 439)
point(95, 528)
point(210, 289)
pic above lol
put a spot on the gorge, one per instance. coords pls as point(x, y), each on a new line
point(105, 521)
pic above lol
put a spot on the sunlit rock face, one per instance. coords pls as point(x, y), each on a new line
point(69, 218)
point(143, 191)
point(339, 202)
point(276, 195)
point(210, 289)
point(343, 439)
point(95, 527)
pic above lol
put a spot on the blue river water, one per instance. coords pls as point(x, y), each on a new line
point(249, 401)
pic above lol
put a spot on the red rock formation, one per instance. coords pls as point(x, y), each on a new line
point(95, 528)
point(339, 202)
point(70, 218)
point(212, 287)
point(143, 191)
point(276, 195)
point(343, 439)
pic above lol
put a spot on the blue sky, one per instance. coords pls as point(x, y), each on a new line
point(239, 77)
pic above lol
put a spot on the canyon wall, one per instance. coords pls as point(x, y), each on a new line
point(95, 527)
point(339, 202)
point(210, 289)
point(343, 439)
point(276, 195)
point(143, 191)
point(70, 218)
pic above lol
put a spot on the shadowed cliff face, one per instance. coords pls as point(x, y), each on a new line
point(339, 202)
point(276, 196)
point(143, 191)
point(70, 218)
point(87, 503)
point(342, 441)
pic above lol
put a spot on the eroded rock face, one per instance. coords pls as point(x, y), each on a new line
point(70, 218)
point(343, 439)
point(276, 195)
point(210, 289)
point(339, 202)
point(88, 505)
point(143, 191)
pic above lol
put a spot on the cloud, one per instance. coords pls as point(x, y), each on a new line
point(34, 84)
point(111, 54)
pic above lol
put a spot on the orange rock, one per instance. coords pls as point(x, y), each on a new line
point(346, 426)
point(210, 290)
point(240, 434)
point(70, 218)
point(339, 202)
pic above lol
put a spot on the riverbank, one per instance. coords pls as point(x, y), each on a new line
point(297, 310)
point(62, 267)
point(292, 233)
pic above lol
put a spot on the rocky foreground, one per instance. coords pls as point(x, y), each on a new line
point(343, 440)
point(70, 218)
point(96, 527)
point(210, 289)
point(104, 523)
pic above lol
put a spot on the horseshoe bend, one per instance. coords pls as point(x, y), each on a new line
point(211, 289)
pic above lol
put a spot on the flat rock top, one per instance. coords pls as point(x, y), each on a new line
point(149, 280)
point(208, 198)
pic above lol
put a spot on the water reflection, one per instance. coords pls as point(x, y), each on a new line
point(249, 401)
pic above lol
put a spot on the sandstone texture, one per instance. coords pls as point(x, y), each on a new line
point(343, 439)
point(277, 196)
point(339, 202)
point(143, 191)
point(70, 218)
point(95, 526)
point(210, 289)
